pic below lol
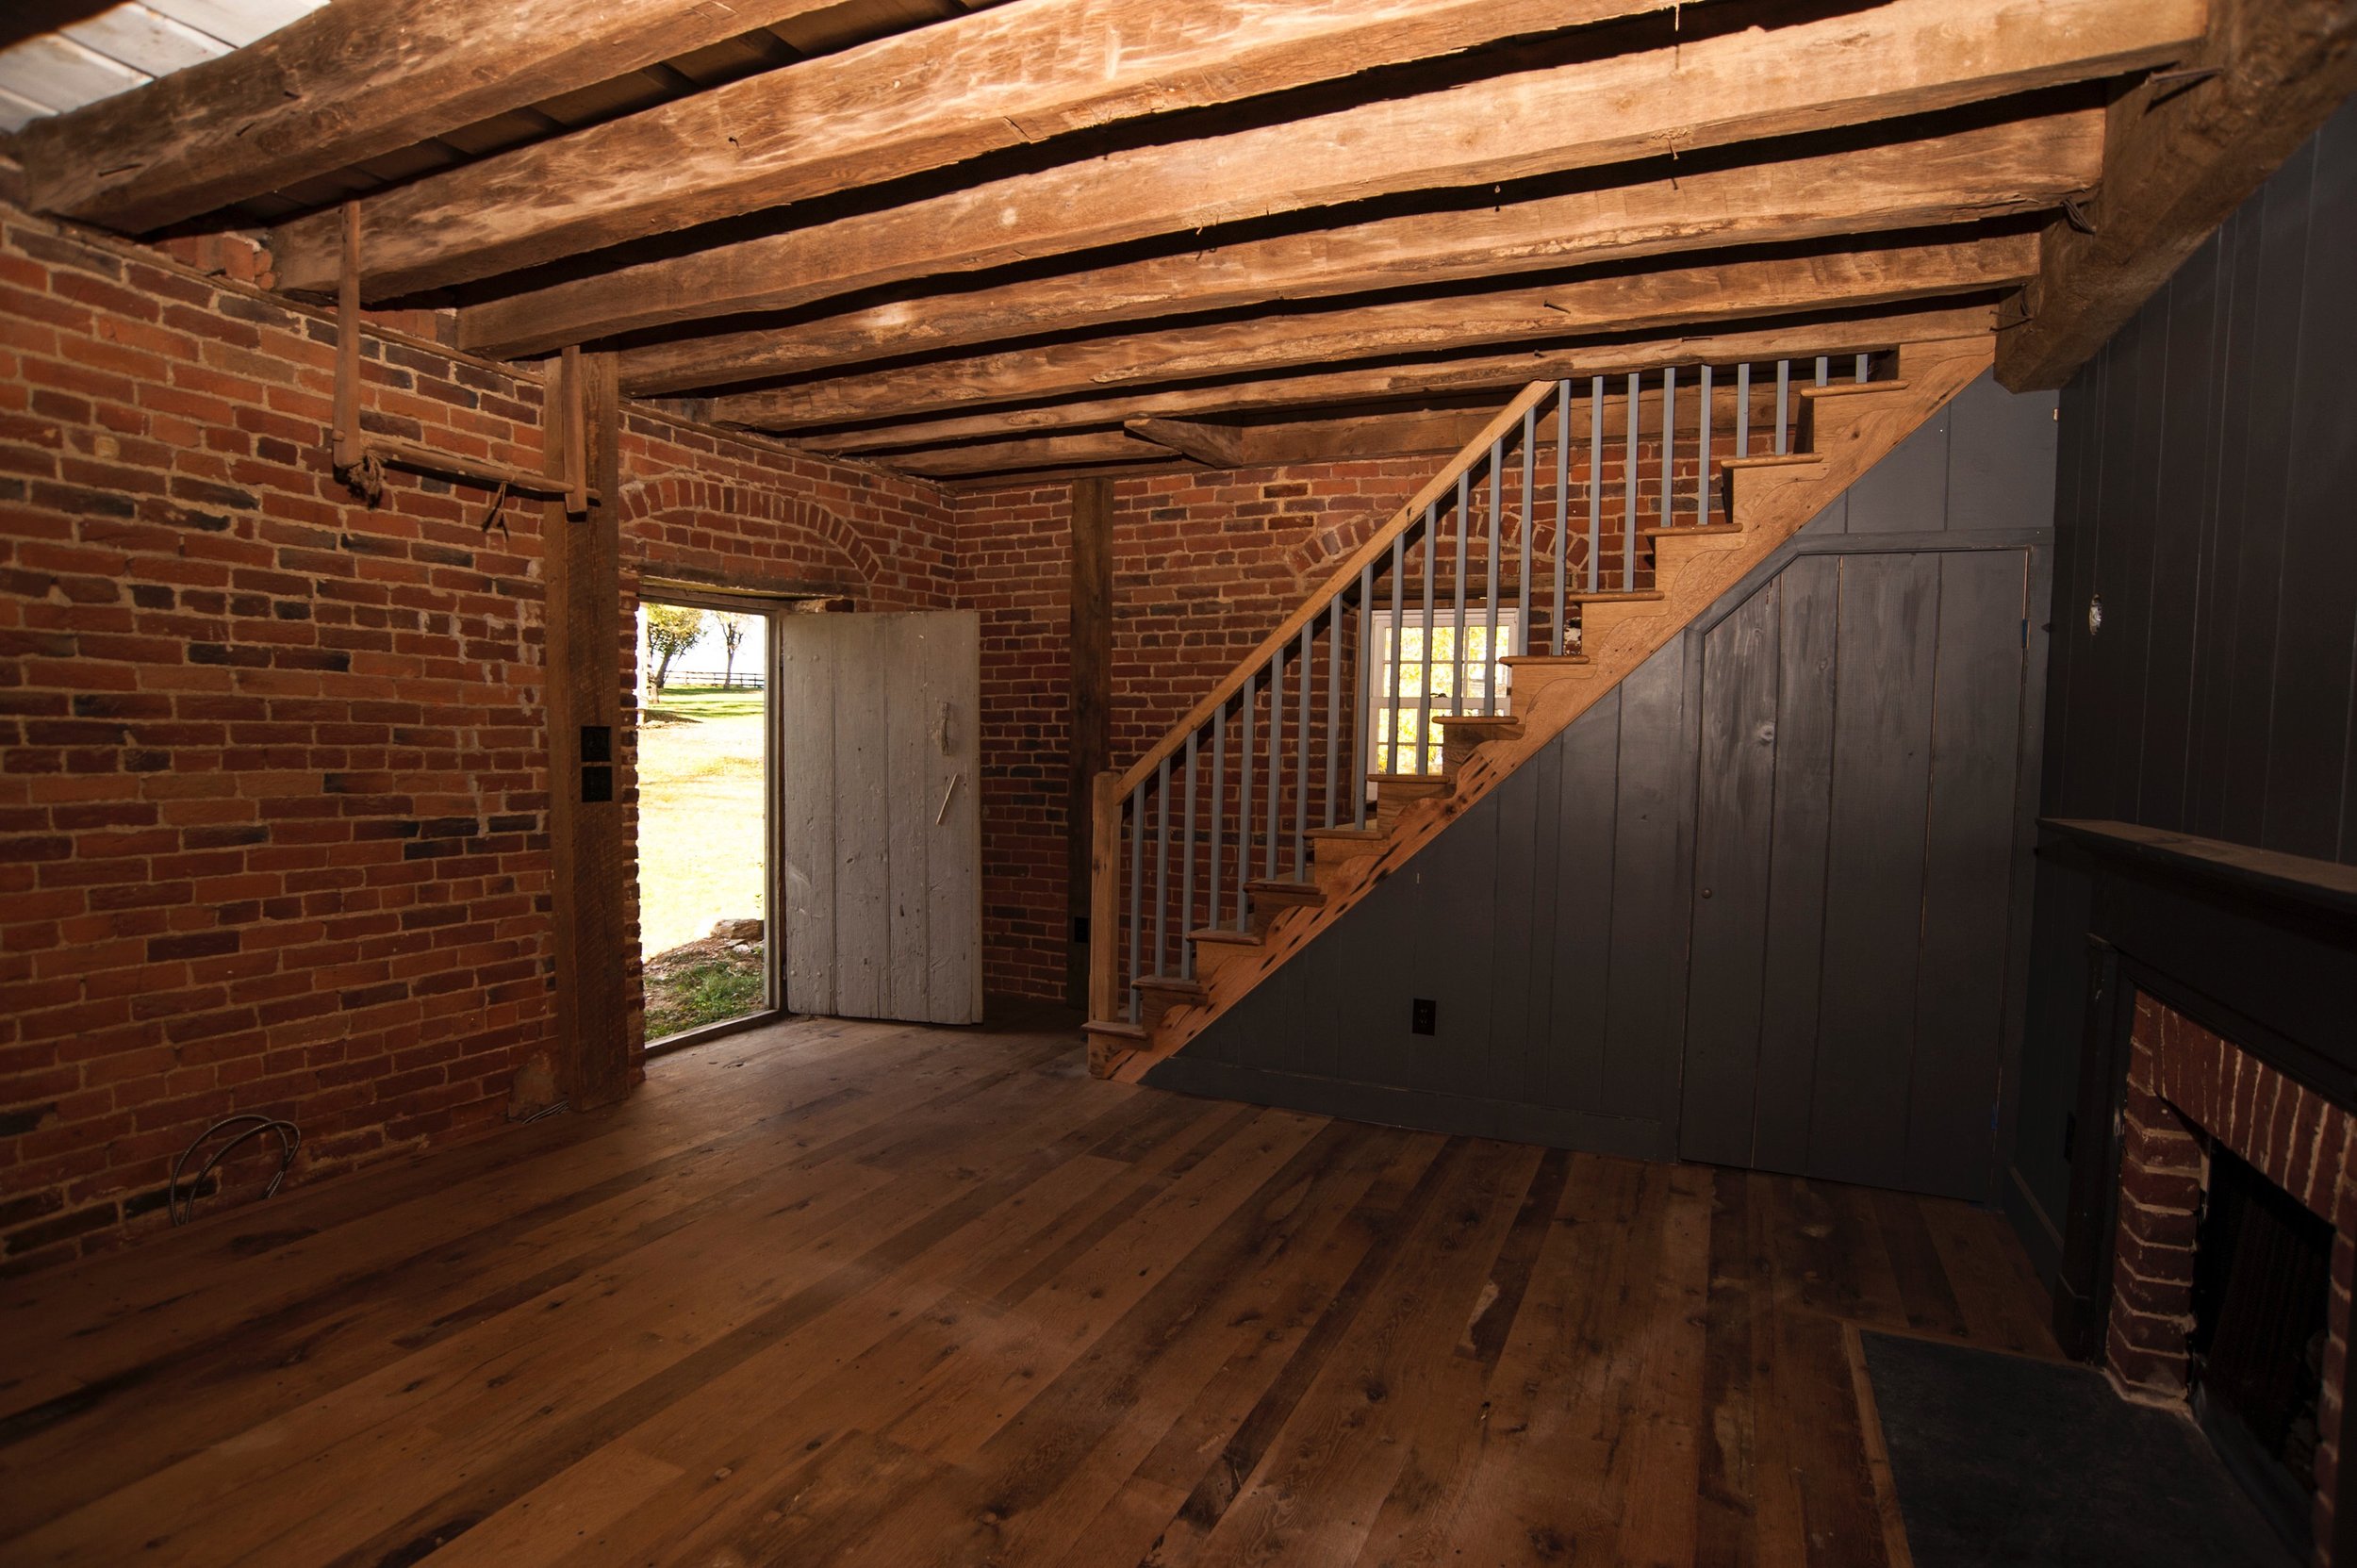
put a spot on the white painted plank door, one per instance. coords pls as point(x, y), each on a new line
point(878, 741)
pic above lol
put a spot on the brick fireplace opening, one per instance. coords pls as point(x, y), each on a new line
point(2207, 1126)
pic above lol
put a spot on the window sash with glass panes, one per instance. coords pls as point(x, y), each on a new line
point(1481, 671)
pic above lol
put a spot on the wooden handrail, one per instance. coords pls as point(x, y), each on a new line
point(1343, 577)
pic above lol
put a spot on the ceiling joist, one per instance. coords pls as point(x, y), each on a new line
point(1900, 57)
point(1411, 379)
point(1986, 170)
point(900, 105)
point(352, 80)
point(1584, 306)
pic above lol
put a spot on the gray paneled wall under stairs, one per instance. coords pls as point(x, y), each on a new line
point(1764, 904)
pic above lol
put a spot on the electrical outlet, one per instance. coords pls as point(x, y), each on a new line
point(1424, 1016)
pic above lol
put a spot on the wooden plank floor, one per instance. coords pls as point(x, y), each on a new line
point(864, 1294)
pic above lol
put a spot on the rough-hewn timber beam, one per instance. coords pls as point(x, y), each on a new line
point(2183, 154)
point(894, 107)
point(1588, 305)
point(2012, 166)
point(1900, 57)
point(353, 79)
point(1221, 446)
point(1031, 453)
point(1481, 373)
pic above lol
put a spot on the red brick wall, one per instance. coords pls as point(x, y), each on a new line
point(271, 761)
point(2189, 1090)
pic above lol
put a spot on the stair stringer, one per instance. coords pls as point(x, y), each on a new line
point(1771, 504)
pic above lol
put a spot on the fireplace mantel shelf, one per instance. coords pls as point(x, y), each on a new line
point(2316, 885)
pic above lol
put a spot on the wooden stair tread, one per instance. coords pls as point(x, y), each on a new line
point(1478, 720)
point(1692, 531)
point(1284, 889)
point(1540, 661)
point(1409, 781)
point(1775, 460)
point(1618, 596)
point(1851, 388)
point(1173, 985)
point(1117, 1031)
point(1224, 936)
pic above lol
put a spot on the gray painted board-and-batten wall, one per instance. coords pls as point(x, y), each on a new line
point(1765, 902)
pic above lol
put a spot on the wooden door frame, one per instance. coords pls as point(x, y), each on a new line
point(771, 609)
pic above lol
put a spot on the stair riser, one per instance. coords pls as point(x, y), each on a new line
point(1600, 621)
point(1670, 553)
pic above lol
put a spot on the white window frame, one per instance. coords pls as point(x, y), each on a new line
point(1444, 674)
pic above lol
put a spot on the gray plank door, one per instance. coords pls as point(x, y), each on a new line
point(1861, 749)
point(879, 756)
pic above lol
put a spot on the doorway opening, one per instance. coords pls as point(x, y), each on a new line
point(708, 747)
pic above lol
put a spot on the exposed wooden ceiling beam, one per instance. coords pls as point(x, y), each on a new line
point(1035, 452)
point(1390, 433)
point(1585, 305)
point(1220, 446)
point(2008, 167)
point(1422, 378)
point(352, 80)
point(1904, 57)
point(883, 110)
point(2182, 155)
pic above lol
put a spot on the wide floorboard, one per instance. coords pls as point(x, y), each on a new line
point(862, 1293)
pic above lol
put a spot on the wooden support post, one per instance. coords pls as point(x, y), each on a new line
point(1091, 738)
point(1104, 897)
point(586, 842)
point(570, 391)
point(346, 448)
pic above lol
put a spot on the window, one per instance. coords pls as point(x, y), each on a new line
point(1480, 673)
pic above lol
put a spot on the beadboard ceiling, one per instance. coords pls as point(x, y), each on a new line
point(116, 48)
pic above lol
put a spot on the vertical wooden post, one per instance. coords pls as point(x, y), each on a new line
point(1090, 726)
point(345, 445)
point(586, 842)
point(1103, 898)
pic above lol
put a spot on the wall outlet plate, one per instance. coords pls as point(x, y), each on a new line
point(1424, 1016)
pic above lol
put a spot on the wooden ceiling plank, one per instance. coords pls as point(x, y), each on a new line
point(1478, 372)
point(2183, 156)
point(1904, 57)
point(352, 80)
point(2010, 167)
point(892, 107)
point(1588, 305)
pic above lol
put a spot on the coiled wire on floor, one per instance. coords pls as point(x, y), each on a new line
point(255, 1126)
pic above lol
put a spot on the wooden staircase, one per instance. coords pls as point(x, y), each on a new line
point(1749, 505)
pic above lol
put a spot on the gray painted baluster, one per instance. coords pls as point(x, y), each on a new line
point(1595, 484)
point(1521, 590)
point(1669, 446)
point(1333, 701)
point(1360, 736)
point(1244, 804)
point(1824, 369)
point(1393, 659)
point(1629, 494)
point(1137, 895)
point(1219, 813)
point(1276, 760)
point(1186, 870)
point(1457, 638)
point(1744, 409)
point(1702, 460)
point(1784, 402)
point(1306, 669)
point(1161, 868)
point(1861, 368)
point(1431, 564)
point(1558, 637)
point(1488, 581)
